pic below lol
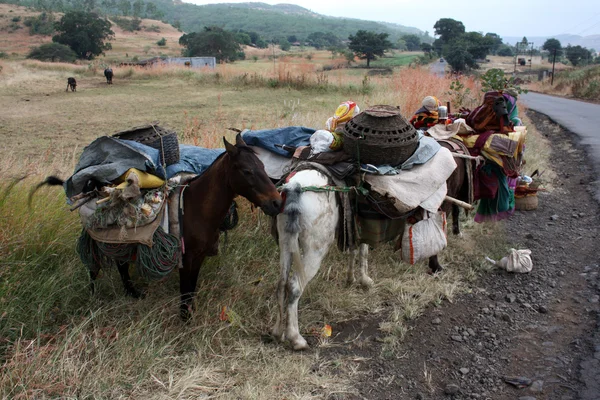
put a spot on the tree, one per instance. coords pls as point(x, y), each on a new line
point(84, 33)
point(478, 45)
point(413, 42)
point(292, 38)
point(551, 45)
point(426, 48)
point(53, 52)
point(212, 41)
point(243, 38)
point(505, 51)
point(320, 39)
point(125, 7)
point(368, 45)
point(458, 55)
point(578, 55)
point(284, 44)
point(162, 42)
point(448, 29)
point(138, 8)
point(495, 41)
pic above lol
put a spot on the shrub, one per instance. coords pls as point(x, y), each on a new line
point(162, 42)
point(152, 28)
point(53, 52)
point(43, 24)
point(127, 24)
point(16, 19)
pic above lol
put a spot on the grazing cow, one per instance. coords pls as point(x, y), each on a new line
point(108, 73)
point(71, 83)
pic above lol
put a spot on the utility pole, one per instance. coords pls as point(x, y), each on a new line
point(516, 57)
point(553, 61)
point(531, 56)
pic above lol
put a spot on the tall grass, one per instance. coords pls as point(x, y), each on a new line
point(583, 83)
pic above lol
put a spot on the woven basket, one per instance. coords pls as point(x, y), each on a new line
point(526, 203)
point(380, 135)
point(156, 137)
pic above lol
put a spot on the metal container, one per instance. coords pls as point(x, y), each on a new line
point(442, 113)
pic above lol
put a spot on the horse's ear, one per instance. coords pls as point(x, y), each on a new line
point(239, 141)
point(231, 149)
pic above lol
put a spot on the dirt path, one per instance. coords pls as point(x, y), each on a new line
point(540, 326)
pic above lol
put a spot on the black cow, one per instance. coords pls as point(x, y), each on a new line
point(71, 83)
point(108, 73)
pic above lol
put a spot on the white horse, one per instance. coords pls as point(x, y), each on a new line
point(306, 230)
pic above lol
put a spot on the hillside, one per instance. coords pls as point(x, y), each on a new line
point(270, 21)
point(15, 39)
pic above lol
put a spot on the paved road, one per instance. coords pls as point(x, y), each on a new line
point(578, 117)
point(438, 68)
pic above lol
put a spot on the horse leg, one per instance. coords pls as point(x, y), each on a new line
point(434, 264)
point(285, 260)
point(130, 290)
point(455, 220)
point(188, 278)
point(93, 276)
point(310, 264)
point(364, 280)
point(350, 275)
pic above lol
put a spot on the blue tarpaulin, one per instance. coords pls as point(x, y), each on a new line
point(293, 136)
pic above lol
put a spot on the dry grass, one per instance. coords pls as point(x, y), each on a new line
point(58, 341)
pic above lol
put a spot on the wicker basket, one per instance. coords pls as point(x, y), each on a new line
point(380, 135)
point(526, 203)
point(156, 137)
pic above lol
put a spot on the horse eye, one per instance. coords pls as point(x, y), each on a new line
point(248, 172)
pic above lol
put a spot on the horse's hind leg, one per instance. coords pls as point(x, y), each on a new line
point(455, 219)
point(130, 290)
point(311, 262)
point(285, 260)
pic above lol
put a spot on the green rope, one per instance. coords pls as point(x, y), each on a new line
point(343, 189)
point(158, 261)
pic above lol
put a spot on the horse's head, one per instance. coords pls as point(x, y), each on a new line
point(248, 178)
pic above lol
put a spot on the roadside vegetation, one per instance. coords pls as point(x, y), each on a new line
point(56, 340)
point(583, 83)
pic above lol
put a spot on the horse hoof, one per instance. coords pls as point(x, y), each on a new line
point(184, 313)
point(366, 282)
point(277, 335)
point(299, 344)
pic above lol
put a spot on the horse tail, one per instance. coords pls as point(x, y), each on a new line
point(50, 181)
point(292, 192)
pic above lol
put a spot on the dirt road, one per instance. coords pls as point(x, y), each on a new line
point(537, 330)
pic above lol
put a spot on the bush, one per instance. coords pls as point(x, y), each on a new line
point(43, 24)
point(53, 52)
point(129, 25)
point(152, 28)
point(16, 19)
point(162, 42)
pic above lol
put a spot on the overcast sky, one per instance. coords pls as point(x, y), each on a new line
point(506, 17)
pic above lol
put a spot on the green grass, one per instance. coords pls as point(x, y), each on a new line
point(397, 60)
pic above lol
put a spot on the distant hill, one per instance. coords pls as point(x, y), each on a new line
point(270, 21)
point(591, 41)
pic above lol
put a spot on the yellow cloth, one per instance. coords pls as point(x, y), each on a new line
point(492, 153)
point(146, 180)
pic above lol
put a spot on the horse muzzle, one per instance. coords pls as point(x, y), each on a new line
point(272, 207)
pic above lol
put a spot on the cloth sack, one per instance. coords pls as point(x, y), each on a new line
point(516, 261)
point(424, 239)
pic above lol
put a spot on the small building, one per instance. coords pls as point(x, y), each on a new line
point(194, 62)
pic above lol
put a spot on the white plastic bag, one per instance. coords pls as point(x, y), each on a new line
point(320, 141)
point(424, 239)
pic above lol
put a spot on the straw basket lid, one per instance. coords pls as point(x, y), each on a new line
point(380, 135)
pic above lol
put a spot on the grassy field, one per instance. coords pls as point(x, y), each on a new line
point(58, 341)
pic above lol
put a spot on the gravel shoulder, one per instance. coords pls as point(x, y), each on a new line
point(540, 327)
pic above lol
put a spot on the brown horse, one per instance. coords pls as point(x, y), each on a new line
point(206, 201)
